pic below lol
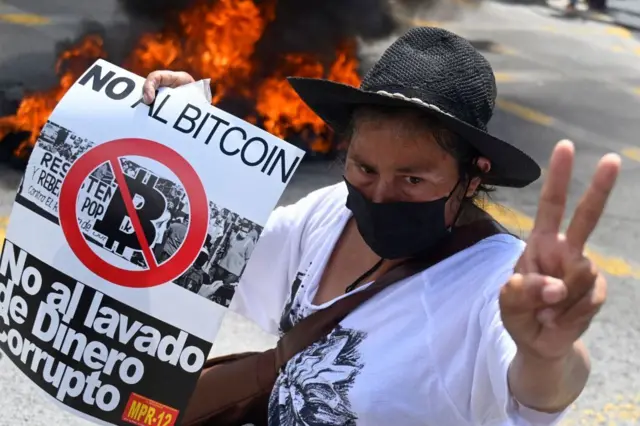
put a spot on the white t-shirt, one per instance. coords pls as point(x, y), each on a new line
point(430, 350)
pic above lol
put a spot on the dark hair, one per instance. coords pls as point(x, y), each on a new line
point(464, 153)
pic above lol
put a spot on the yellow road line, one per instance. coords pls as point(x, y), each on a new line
point(517, 222)
point(528, 76)
point(502, 50)
point(569, 30)
point(549, 28)
point(504, 77)
point(512, 77)
point(24, 19)
point(425, 23)
point(619, 32)
point(525, 113)
point(611, 30)
point(521, 224)
point(632, 153)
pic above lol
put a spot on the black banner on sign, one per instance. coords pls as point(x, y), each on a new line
point(90, 351)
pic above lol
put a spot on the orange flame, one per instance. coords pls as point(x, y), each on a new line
point(219, 42)
point(214, 41)
point(284, 113)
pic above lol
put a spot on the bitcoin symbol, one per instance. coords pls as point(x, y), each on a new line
point(148, 202)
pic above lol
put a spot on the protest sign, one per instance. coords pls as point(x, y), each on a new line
point(130, 231)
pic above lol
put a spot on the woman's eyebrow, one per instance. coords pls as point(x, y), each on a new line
point(355, 157)
point(415, 168)
point(410, 168)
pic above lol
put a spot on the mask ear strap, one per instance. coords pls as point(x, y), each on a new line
point(457, 216)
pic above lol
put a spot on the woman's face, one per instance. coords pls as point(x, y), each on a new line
point(397, 159)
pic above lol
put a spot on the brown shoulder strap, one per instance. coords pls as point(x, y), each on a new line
point(319, 324)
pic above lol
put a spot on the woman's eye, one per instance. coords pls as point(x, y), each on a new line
point(413, 180)
point(365, 169)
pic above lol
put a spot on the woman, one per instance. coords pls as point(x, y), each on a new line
point(489, 336)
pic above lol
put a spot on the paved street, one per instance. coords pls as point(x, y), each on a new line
point(558, 78)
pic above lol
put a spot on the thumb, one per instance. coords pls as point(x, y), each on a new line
point(150, 86)
point(526, 292)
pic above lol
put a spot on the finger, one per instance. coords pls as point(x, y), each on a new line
point(586, 307)
point(158, 79)
point(150, 86)
point(593, 202)
point(580, 277)
point(527, 263)
point(578, 282)
point(531, 291)
point(553, 196)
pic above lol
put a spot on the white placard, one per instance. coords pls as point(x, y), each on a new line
point(130, 231)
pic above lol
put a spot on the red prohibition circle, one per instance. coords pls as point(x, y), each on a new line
point(198, 209)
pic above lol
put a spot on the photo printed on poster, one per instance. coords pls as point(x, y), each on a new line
point(161, 203)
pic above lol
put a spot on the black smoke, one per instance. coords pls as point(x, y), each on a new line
point(320, 25)
point(153, 10)
point(299, 24)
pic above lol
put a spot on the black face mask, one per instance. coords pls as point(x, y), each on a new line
point(398, 230)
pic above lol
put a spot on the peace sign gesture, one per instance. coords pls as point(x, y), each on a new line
point(556, 291)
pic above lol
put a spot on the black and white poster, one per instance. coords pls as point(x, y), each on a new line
point(131, 230)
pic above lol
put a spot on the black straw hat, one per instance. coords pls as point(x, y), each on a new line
point(440, 73)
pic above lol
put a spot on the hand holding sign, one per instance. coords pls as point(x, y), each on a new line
point(556, 291)
point(158, 79)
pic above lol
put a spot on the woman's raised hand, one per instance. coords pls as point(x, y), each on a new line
point(556, 290)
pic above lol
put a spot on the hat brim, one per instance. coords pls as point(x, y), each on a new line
point(334, 103)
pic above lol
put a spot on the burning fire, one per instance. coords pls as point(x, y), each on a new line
point(211, 40)
point(282, 110)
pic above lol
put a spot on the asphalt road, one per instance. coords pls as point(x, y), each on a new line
point(558, 78)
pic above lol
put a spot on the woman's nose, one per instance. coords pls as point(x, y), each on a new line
point(382, 191)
